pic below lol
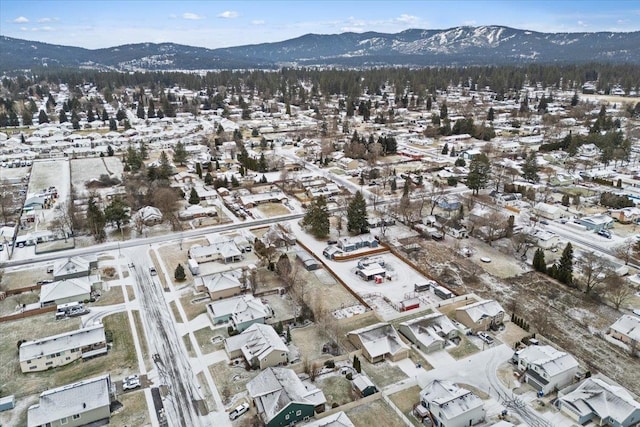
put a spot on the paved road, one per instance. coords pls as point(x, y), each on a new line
point(172, 362)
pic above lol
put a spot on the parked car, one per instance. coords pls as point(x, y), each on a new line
point(604, 233)
point(131, 382)
point(239, 410)
point(152, 271)
point(485, 337)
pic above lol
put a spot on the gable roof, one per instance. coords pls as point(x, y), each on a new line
point(30, 350)
point(605, 400)
point(451, 400)
point(275, 388)
point(71, 265)
point(430, 328)
point(221, 281)
point(66, 288)
point(482, 309)
point(547, 358)
point(70, 399)
point(339, 419)
point(257, 341)
point(380, 339)
point(628, 325)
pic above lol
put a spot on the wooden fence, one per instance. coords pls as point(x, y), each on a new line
point(28, 313)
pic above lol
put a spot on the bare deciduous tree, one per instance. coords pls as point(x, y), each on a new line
point(593, 272)
point(618, 291)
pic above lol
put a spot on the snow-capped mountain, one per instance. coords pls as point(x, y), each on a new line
point(455, 46)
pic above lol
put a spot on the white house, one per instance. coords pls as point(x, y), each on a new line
point(546, 368)
point(452, 406)
point(379, 342)
point(598, 402)
point(429, 333)
point(260, 346)
point(242, 311)
point(548, 211)
point(72, 405)
point(627, 330)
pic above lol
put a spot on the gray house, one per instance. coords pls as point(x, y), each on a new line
point(70, 268)
point(74, 405)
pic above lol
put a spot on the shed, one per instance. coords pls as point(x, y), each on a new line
point(363, 386)
point(7, 402)
point(309, 262)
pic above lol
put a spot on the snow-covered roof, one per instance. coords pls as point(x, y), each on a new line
point(628, 325)
point(380, 339)
point(72, 265)
point(339, 419)
point(482, 309)
point(548, 359)
point(221, 281)
point(30, 350)
point(430, 328)
point(63, 289)
point(71, 399)
point(361, 382)
point(257, 341)
point(275, 388)
point(594, 396)
point(451, 400)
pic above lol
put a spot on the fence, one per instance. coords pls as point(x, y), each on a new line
point(28, 313)
point(22, 290)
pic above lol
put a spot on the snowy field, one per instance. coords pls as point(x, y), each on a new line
point(45, 174)
point(84, 170)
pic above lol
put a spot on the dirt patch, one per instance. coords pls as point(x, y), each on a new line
point(203, 337)
point(134, 411)
point(405, 400)
point(376, 413)
point(269, 210)
point(309, 340)
point(13, 303)
point(382, 374)
point(24, 278)
point(464, 349)
point(193, 305)
point(337, 389)
point(110, 297)
point(131, 294)
point(231, 380)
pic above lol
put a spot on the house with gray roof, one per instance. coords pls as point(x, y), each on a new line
point(451, 405)
point(260, 345)
point(62, 349)
point(596, 401)
point(283, 399)
point(221, 285)
point(379, 342)
point(64, 291)
point(242, 311)
point(627, 330)
point(545, 368)
point(339, 419)
point(429, 333)
point(72, 267)
point(480, 316)
point(73, 405)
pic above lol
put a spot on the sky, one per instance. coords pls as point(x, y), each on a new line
point(98, 24)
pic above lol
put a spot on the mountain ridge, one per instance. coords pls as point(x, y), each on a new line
point(464, 45)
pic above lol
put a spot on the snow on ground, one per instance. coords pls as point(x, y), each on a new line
point(46, 174)
point(84, 170)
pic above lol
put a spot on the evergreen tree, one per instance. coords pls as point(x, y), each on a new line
point(140, 111)
point(165, 169)
point(63, 116)
point(113, 124)
point(90, 115)
point(234, 181)
point(121, 115)
point(490, 115)
point(179, 274)
point(42, 117)
point(479, 170)
point(117, 212)
point(27, 117)
point(565, 266)
point(317, 218)
point(262, 163)
point(445, 149)
point(357, 221)
point(530, 168)
point(208, 179)
point(179, 154)
point(194, 199)
point(96, 220)
point(539, 263)
point(444, 111)
point(105, 116)
point(151, 112)
point(574, 99)
point(110, 152)
point(199, 170)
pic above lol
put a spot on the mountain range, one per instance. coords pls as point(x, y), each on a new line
point(459, 46)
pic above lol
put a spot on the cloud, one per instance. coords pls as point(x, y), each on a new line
point(257, 22)
point(24, 29)
point(45, 20)
point(352, 29)
point(192, 16)
point(228, 14)
point(470, 23)
point(47, 28)
point(20, 20)
point(582, 24)
point(407, 19)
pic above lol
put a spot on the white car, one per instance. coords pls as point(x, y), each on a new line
point(239, 411)
point(131, 382)
point(485, 337)
point(152, 271)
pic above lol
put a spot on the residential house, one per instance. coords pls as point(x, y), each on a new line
point(363, 386)
point(64, 291)
point(33, 203)
point(149, 215)
point(626, 215)
point(241, 311)
point(253, 200)
point(372, 272)
point(596, 402)
point(73, 267)
point(545, 368)
point(339, 419)
point(197, 211)
point(282, 399)
point(309, 262)
point(545, 239)
point(429, 333)
point(352, 243)
point(331, 252)
point(596, 222)
point(222, 285)
point(548, 211)
point(480, 316)
point(72, 405)
point(62, 349)
point(260, 345)
point(279, 235)
point(223, 250)
point(470, 154)
point(379, 342)
point(627, 330)
point(451, 405)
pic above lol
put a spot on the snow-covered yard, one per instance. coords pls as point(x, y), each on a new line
point(85, 170)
